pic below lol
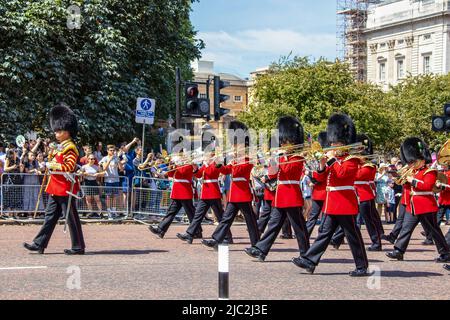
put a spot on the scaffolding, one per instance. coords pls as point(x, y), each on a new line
point(351, 45)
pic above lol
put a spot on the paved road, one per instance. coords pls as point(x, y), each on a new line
point(128, 262)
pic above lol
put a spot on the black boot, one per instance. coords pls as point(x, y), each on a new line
point(72, 252)
point(395, 255)
point(447, 267)
point(34, 247)
point(255, 253)
point(198, 235)
point(360, 273)
point(304, 264)
point(427, 242)
point(210, 243)
point(335, 245)
point(185, 237)
point(374, 247)
point(388, 238)
point(156, 230)
point(443, 258)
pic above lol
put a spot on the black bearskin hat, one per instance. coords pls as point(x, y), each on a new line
point(322, 139)
point(63, 118)
point(290, 131)
point(341, 129)
point(367, 143)
point(237, 125)
point(413, 149)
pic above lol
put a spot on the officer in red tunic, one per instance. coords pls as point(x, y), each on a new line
point(341, 203)
point(319, 190)
point(240, 195)
point(288, 196)
point(422, 206)
point(210, 197)
point(181, 196)
point(64, 123)
point(365, 189)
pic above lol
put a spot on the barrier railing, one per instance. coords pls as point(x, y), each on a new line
point(19, 193)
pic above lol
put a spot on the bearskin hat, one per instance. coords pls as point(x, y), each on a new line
point(63, 118)
point(322, 139)
point(413, 149)
point(237, 125)
point(290, 131)
point(341, 129)
point(367, 143)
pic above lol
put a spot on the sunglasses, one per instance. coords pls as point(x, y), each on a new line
point(91, 159)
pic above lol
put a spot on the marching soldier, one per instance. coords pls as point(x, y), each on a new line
point(240, 195)
point(422, 206)
point(181, 196)
point(288, 200)
point(319, 190)
point(210, 197)
point(269, 196)
point(341, 204)
point(64, 123)
point(365, 189)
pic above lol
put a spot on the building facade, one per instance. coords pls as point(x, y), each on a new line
point(407, 37)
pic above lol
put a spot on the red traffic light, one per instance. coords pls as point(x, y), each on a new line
point(192, 92)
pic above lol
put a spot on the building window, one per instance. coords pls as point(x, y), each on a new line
point(382, 45)
point(203, 96)
point(382, 71)
point(427, 36)
point(400, 69)
point(427, 64)
point(237, 98)
point(401, 41)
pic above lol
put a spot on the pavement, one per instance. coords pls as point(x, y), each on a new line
point(126, 261)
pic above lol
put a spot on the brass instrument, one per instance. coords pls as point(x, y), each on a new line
point(443, 158)
point(407, 171)
point(260, 173)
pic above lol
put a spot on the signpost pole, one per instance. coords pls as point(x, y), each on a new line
point(143, 143)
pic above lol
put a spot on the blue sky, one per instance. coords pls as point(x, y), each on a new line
point(242, 35)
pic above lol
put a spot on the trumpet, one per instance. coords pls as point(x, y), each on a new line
point(407, 171)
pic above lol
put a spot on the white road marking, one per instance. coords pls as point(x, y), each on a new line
point(23, 268)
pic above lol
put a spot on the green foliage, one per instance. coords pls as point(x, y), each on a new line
point(123, 50)
point(312, 91)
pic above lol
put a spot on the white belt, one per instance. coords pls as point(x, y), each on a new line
point(289, 182)
point(181, 180)
point(422, 193)
point(341, 188)
point(211, 181)
point(239, 179)
point(364, 182)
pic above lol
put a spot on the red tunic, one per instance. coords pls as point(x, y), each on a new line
point(364, 183)
point(289, 193)
point(240, 182)
point(320, 187)
point(65, 160)
point(406, 194)
point(269, 195)
point(341, 194)
point(444, 195)
point(210, 186)
point(182, 182)
point(422, 196)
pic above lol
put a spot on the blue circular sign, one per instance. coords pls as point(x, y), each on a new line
point(146, 104)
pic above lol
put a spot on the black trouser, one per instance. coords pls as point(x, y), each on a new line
point(56, 208)
point(228, 217)
point(286, 228)
point(258, 204)
point(352, 233)
point(399, 223)
point(200, 213)
point(447, 237)
point(397, 203)
point(369, 213)
point(315, 214)
point(265, 216)
point(277, 218)
point(439, 219)
point(174, 207)
point(429, 223)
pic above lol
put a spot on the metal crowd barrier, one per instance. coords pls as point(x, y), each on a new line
point(19, 194)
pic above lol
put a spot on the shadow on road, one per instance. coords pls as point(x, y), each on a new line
point(409, 274)
point(123, 252)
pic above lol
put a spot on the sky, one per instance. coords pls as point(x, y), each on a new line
point(243, 35)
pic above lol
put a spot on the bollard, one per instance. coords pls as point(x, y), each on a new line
point(223, 272)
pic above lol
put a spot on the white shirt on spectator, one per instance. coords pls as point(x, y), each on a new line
point(90, 170)
point(112, 172)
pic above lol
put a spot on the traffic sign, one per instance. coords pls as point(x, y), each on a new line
point(145, 110)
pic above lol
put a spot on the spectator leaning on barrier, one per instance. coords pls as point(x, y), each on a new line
point(127, 157)
point(91, 172)
point(87, 150)
point(140, 180)
point(111, 165)
point(11, 181)
point(31, 184)
point(2, 159)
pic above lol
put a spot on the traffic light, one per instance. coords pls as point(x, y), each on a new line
point(219, 98)
point(194, 106)
point(442, 123)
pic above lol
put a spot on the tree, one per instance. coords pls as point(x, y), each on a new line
point(122, 51)
point(312, 91)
